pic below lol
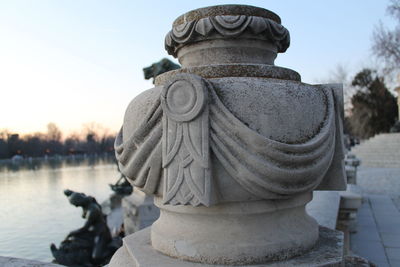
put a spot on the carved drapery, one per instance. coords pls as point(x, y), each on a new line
point(139, 156)
point(264, 167)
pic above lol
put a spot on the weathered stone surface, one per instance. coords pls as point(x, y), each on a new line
point(15, 262)
point(226, 232)
point(137, 251)
point(230, 145)
point(261, 32)
point(233, 70)
point(270, 129)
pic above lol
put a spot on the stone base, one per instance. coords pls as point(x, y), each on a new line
point(235, 233)
point(137, 251)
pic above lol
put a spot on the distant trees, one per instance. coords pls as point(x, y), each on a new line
point(341, 74)
point(374, 108)
point(53, 133)
point(386, 42)
point(94, 141)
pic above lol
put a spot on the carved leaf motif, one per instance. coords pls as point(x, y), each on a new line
point(185, 139)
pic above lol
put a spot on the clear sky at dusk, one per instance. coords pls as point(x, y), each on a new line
point(74, 62)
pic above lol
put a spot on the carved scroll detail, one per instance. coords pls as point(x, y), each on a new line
point(227, 26)
point(185, 148)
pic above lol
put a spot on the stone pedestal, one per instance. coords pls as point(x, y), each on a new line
point(137, 251)
point(231, 147)
point(235, 233)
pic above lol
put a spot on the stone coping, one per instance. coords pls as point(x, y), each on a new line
point(231, 10)
point(137, 251)
point(233, 70)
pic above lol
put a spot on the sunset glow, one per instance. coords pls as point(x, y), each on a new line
point(74, 62)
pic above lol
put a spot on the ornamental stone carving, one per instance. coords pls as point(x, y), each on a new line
point(219, 27)
point(230, 145)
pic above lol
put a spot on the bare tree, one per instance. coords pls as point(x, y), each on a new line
point(53, 132)
point(341, 74)
point(386, 42)
point(4, 133)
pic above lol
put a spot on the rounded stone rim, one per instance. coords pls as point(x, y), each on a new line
point(233, 70)
point(209, 23)
point(226, 10)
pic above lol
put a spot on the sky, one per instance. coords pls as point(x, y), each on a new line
point(74, 62)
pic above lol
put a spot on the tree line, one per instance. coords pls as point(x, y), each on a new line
point(93, 141)
point(370, 107)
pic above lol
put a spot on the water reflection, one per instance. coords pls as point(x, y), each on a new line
point(55, 162)
point(33, 209)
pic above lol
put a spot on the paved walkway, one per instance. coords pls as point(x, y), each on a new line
point(381, 181)
point(378, 231)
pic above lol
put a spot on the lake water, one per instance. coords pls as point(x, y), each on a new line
point(34, 212)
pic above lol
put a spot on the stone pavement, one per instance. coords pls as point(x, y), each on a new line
point(380, 151)
point(380, 181)
point(378, 236)
point(378, 231)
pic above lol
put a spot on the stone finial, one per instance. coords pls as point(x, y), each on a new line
point(242, 28)
point(230, 145)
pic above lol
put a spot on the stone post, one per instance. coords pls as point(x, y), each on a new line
point(397, 89)
point(351, 163)
point(232, 148)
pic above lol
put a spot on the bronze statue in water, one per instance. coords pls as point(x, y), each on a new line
point(90, 245)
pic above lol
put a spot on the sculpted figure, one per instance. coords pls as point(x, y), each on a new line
point(89, 245)
point(231, 146)
point(158, 68)
point(122, 187)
